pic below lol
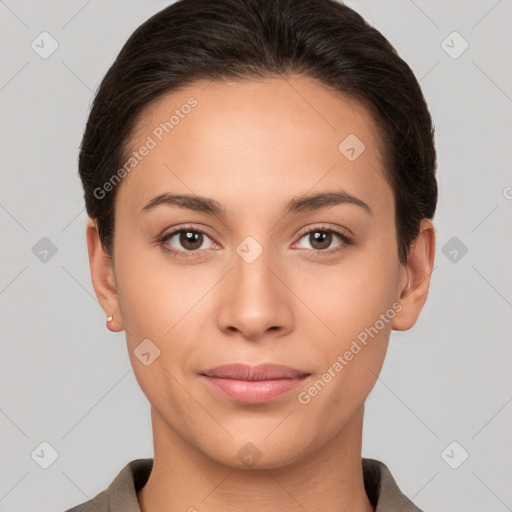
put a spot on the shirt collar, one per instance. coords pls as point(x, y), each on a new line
point(380, 486)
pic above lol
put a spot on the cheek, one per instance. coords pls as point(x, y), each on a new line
point(350, 296)
point(150, 289)
point(157, 309)
point(356, 305)
point(350, 360)
point(167, 304)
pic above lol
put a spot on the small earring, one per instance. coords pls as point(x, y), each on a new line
point(109, 318)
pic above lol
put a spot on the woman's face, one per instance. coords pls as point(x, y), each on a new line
point(259, 273)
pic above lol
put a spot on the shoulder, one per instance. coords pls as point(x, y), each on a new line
point(121, 494)
point(99, 503)
point(382, 489)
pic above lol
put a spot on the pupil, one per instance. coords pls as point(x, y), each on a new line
point(189, 238)
point(322, 237)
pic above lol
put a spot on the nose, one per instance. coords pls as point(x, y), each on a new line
point(255, 301)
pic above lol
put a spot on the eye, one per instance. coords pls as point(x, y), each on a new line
point(188, 241)
point(320, 239)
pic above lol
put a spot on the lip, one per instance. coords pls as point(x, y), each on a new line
point(253, 384)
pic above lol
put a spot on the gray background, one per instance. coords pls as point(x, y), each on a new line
point(67, 380)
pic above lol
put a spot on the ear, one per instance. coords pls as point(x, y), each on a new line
point(415, 279)
point(102, 276)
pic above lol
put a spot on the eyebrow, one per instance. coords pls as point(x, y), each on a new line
point(302, 203)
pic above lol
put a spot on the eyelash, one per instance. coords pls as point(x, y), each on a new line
point(347, 241)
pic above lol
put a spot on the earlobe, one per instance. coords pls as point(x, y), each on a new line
point(102, 276)
point(417, 273)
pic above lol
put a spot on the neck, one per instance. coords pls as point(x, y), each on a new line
point(185, 479)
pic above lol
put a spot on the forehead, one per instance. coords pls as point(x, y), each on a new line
point(255, 139)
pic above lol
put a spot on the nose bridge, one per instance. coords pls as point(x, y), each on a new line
point(253, 258)
point(251, 303)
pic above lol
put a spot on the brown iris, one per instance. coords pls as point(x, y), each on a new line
point(324, 238)
point(191, 240)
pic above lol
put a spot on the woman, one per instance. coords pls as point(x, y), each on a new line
point(260, 181)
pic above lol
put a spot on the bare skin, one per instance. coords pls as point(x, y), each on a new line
point(253, 146)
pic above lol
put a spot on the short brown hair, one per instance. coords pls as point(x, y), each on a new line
point(244, 39)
